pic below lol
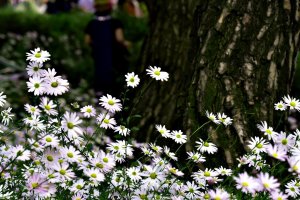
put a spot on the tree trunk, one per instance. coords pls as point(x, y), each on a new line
point(236, 57)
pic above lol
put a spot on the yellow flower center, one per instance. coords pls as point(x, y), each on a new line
point(284, 141)
point(293, 104)
point(54, 84)
point(70, 125)
point(62, 172)
point(157, 73)
point(268, 131)
point(70, 155)
point(79, 187)
point(50, 158)
point(111, 102)
point(153, 175)
point(34, 185)
point(99, 165)
point(48, 139)
point(38, 55)
point(245, 184)
point(47, 107)
point(207, 174)
point(36, 85)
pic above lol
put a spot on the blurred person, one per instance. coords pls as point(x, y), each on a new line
point(105, 36)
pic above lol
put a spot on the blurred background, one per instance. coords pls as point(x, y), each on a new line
point(59, 26)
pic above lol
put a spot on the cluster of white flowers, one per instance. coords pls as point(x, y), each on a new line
point(281, 146)
point(62, 153)
point(288, 102)
point(219, 118)
point(42, 81)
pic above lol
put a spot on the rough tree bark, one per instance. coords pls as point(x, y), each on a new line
point(236, 57)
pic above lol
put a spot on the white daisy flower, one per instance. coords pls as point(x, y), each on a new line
point(63, 172)
point(2, 99)
point(157, 74)
point(35, 69)
point(49, 73)
point(219, 194)
point(223, 171)
point(6, 116)
point(38, 55)
point(36, 85)
point(148, 152)
point(20, 153)
point(204, 146)
point(78, 186)
point(277, 195)
point(50, 157)
point(88, 111)
point(196, 157)
point(122, 130)
point(70, 154)
point(178, 137)
point(35, 122)
point(224, 119)
point(95, 176)
point(246, 183)
point(169, 153)
point(56, 86)
point(284, 141)
point(163, 131)
point(268, 182)
point(105, 162)
point(37, 146)
point(33, 110)
point(294, 164)
point(191, 190)
point(263, 127)
point(70, 124)
point(175, 171)
point(156, 148)
point(132, 80)
point(105, 121)
point(50, 140)
point(48, 106)
point(134, 174)
point(292, 189)
point(110, 103)
point(153, 177)
point(257, 145)
point(293, 103)
point(280, 106)
point(277, 152)
point(212, 117)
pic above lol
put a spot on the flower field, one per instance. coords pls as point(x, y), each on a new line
point(66, 150)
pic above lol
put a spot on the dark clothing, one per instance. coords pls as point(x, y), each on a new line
point(104, 49)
